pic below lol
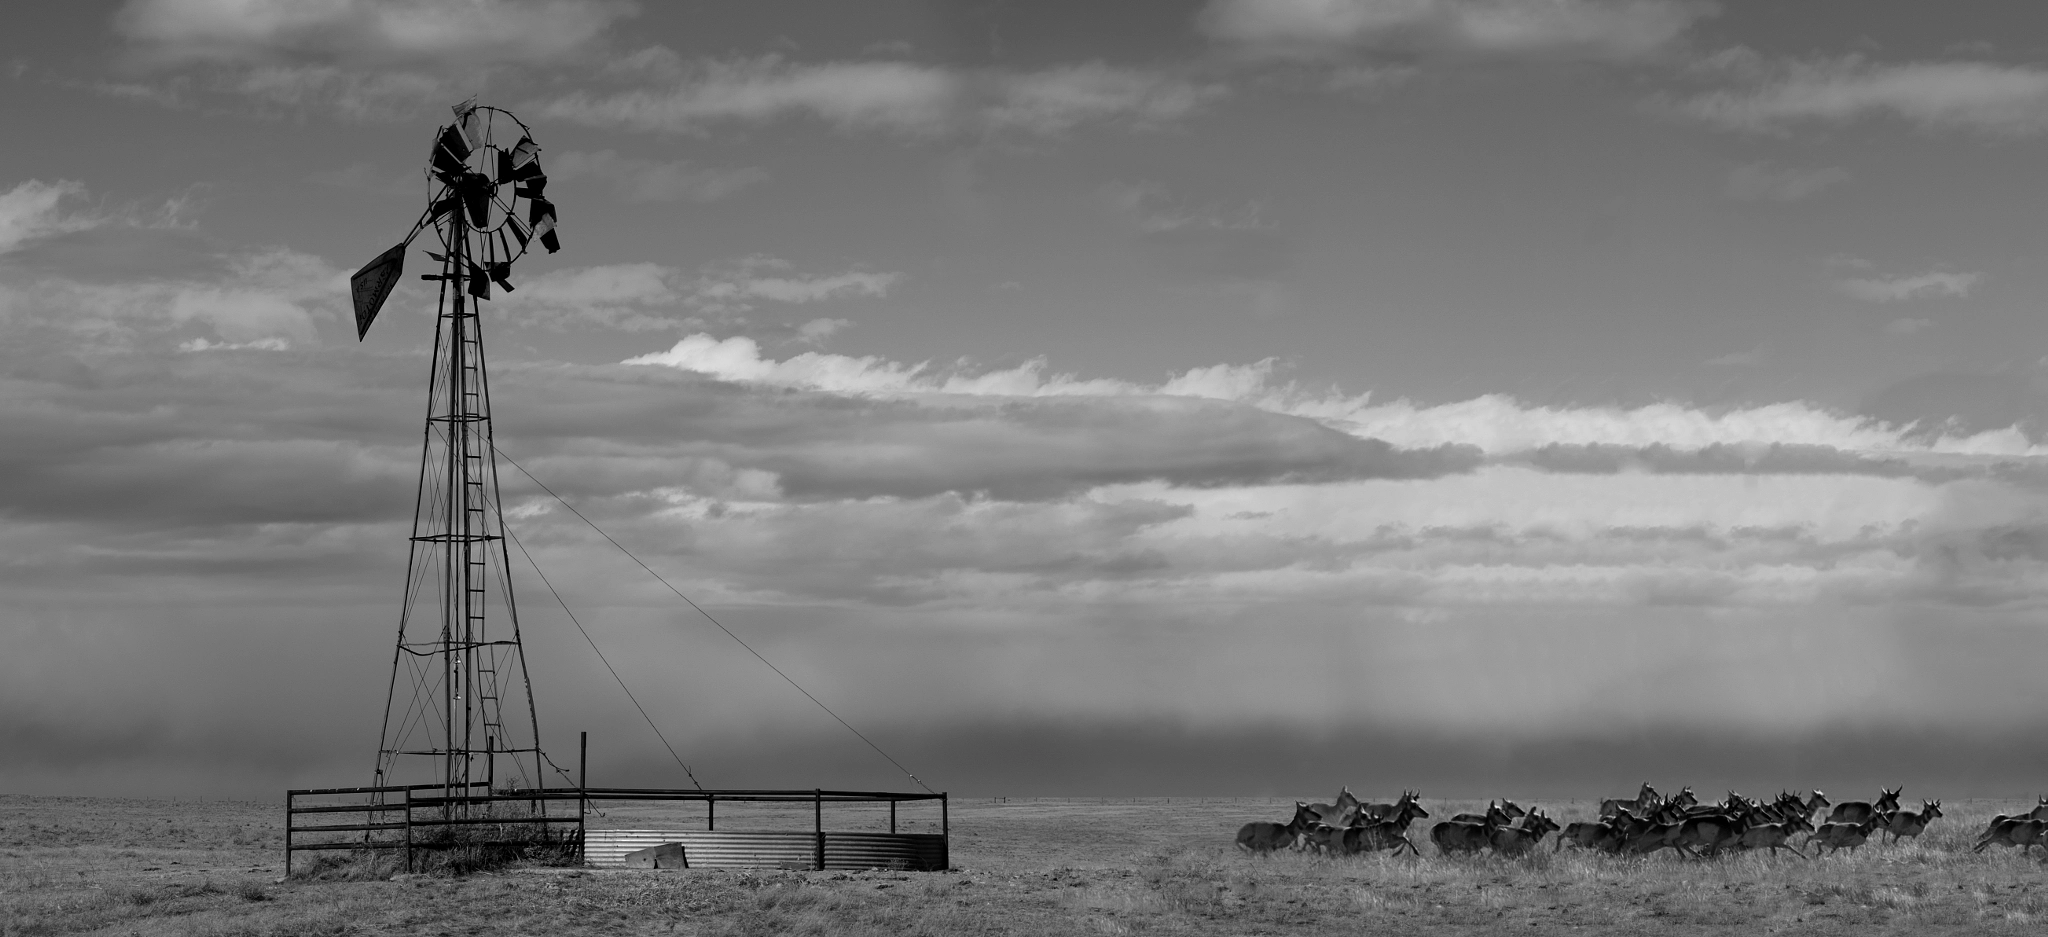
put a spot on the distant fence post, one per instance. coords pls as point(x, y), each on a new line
point(818, 816)
point(892, 816)
point(711, 813)
point(946, 827)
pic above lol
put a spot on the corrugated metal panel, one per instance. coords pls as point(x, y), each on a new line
point(910, 851)
point(748, 850)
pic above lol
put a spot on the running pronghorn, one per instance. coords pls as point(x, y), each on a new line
point(1776, 835)
point(1908, 823)
point(1501, 813)
point(1523, 836)
point(2022, 831)
point(1383, 811)
point(1857, 811)
point(1646, 800)
point(1836, 837)
point(1262, 836)
point(1389, 833)
point(1341, 814)
point(2040, 811)
point(1461, 836)
point(1598, 834)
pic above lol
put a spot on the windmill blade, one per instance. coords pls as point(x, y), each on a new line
point(450, 151)
point(498, 272)
point(479, 282)
point(470, 122)
point(373, 284)
point(520, 162)
point(542, 215)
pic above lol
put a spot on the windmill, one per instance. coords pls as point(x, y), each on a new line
point(459, 701)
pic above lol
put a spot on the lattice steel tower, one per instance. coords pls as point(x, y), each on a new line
point(460, 703)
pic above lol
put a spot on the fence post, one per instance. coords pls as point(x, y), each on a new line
point(582, 797)
point(892, 816)
point(408, 829)
point(288, 797)
point(946, 828)
point(711, 813)
point(818, 816)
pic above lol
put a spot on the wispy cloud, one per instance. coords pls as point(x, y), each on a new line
point(1496, 425)
point(1774, 96)
point(647, 296)
point(1609, 29)
point(1898, 288)
point(1056, 100)
point(1766, 182)
point(32, 210)
point(674, 96)
point(473, 31)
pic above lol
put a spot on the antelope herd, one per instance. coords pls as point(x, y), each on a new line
point(1642, 825)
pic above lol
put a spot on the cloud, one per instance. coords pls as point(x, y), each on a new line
point(1898, 289)
point(358, 94)
point(30, 212)
point(1764, 182)
point(1056, 100)
point(1976, 96)
point(1620, 29)
point(646, 180)
point(902, 97)
point(1217, 240)
point(816, 331)
point(382, 31)
point(648, 296)
point(883, 95)
point(1907, 326)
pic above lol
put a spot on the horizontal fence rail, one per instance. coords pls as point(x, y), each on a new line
point(405, 817)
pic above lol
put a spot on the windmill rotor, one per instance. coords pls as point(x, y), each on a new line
point(488, 206)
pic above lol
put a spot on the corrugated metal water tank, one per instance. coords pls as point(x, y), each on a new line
point(762, 850)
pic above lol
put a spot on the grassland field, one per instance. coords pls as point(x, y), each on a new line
point(1156, 866)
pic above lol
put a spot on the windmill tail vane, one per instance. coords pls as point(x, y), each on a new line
point(489, 205)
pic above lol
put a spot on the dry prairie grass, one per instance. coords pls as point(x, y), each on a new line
point(85, 866)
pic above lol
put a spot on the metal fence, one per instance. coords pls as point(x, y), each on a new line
point(409, 819)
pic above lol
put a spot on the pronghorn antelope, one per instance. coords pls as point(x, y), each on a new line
point(1907, 823)
point(1836, 837)
point(1262, 836)
point(1383, 811)
point(2022, 831)
point(1599, 834)
point(1500, 813)
point(1814, 803)
point(1459, 836)
point(1710, 831)
point(1402, 812)
point(1520, 838)
point(2040, 811)
point(1390, 833)
point(1320, 836)
point(1645, 835)
point(1646, 800)
point(1857, 811)
point(1341, 814)
point(1776, 835)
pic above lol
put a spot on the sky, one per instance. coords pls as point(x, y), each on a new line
point(1201, 397)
